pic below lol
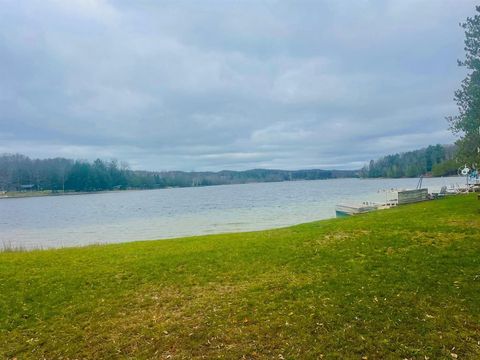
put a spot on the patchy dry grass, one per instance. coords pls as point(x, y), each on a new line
point(402, 283)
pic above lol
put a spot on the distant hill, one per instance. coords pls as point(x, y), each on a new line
point(19, 172)
point(435, 160)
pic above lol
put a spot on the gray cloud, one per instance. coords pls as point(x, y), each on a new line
point(228, 85)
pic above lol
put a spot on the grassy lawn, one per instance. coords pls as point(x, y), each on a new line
point(402, 283)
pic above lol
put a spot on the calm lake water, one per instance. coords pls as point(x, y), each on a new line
point(57, 221)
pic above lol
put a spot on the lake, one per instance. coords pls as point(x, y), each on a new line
point(58, 221)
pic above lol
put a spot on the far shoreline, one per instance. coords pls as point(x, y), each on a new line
point(44, 193)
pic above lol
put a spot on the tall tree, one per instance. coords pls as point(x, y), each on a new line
point(467, 123)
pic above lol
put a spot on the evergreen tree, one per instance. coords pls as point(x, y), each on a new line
point(467, 123)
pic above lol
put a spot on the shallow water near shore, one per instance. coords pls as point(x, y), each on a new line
point(59, 221)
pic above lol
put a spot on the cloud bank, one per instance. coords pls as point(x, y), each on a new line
point(214, 85)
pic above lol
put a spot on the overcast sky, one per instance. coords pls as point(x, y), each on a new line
point(211, 85)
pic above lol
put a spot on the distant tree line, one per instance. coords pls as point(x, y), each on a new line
point(19, 172)
point(435, 160)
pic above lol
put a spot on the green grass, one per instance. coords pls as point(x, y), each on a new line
point(402, 283)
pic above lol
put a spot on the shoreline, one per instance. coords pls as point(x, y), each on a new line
point(20, 195)
point(33, 194)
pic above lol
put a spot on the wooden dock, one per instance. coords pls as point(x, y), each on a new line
point(342, 210)
point(412, 196)
point(403, 197)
